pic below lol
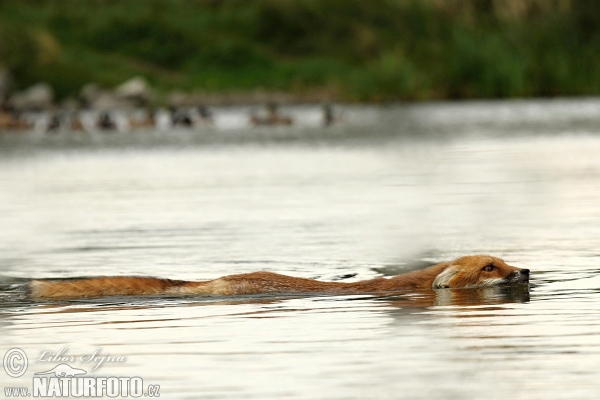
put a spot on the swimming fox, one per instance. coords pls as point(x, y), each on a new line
point(464, 272)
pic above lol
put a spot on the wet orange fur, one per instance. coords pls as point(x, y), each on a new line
point(463, 272)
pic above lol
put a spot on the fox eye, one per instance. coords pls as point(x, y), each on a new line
point(488, 268)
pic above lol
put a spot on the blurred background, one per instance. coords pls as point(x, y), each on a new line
point(335, 50)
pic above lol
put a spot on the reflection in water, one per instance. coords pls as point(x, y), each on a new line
point(358, 200)
point(479, 296)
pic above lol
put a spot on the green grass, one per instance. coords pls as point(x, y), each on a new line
point(380, 50)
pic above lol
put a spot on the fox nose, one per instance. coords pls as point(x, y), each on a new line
point(525, 271)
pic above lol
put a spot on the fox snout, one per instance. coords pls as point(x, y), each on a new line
point(519, 276)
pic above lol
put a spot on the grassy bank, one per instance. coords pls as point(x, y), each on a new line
point(352, 50)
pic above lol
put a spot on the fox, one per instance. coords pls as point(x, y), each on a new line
point(474, 271)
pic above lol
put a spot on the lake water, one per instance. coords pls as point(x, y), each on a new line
point(387, 190)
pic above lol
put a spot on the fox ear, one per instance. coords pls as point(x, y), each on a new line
point(441, 281)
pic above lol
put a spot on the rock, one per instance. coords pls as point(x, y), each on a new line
point(70, 104)
point(178, 99)
point(89, 94)
point(37, 98)
point(95, 97)
point(135, 90)
point(109, 101)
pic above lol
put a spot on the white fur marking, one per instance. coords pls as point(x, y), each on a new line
point(490, 282)
point(37, 288)
point(441, 281)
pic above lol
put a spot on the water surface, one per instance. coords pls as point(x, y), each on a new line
point(387, 191)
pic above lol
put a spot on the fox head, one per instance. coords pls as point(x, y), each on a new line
point(479, 271)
